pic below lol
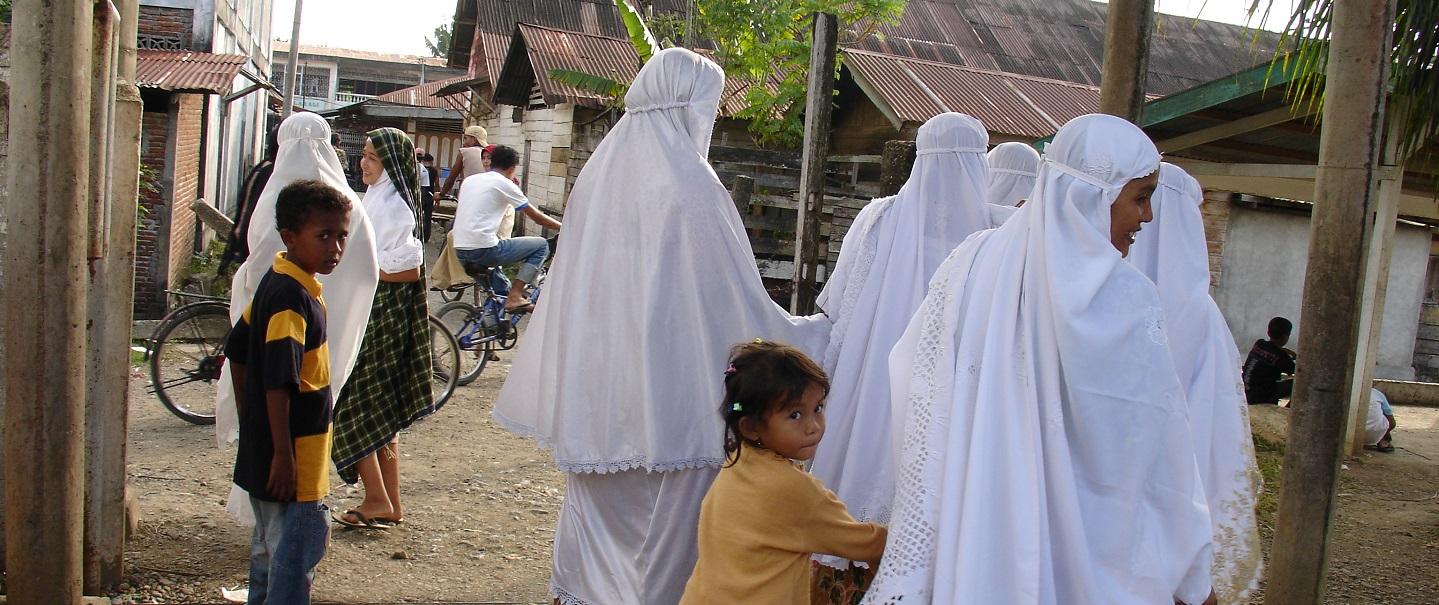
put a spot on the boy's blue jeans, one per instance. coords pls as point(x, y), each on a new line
point(529, 251)
point(289, 541)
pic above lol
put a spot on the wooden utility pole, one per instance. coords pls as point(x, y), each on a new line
point(818, 105)
point(112, 288)
point(1345, 198)
point(294, 60)
point(1127, 27)
point(44, 300)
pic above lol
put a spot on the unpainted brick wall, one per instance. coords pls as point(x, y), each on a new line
point(167, 22)
point(1216, 228)
point(186, 112)
point(151, 266)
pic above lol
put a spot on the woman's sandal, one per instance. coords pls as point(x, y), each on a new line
point(365, 522)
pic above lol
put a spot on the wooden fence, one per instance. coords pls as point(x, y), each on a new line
point(765, 184)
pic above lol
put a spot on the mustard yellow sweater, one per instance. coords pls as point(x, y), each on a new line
point(759, 524)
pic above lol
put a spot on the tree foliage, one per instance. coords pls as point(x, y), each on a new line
point(766, 43)
point(439, 43)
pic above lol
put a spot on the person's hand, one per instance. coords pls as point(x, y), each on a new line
point(282, 476)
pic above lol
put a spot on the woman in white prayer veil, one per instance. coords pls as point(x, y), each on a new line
point(620, 372)
point(304, 153)
point(888, 256)
point(1046, 456)
point(1012, 170)
point(1173, 253)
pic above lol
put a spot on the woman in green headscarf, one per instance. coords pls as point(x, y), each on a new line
point(390, 386)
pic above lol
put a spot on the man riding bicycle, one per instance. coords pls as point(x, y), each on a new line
point(483, 200)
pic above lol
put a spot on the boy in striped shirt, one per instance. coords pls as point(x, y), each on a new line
point(280, 363)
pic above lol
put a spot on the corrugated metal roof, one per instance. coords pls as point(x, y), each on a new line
point(186, 71)
point(913, 90)
point(543, 49)
point(423, 95)
point(551, 49)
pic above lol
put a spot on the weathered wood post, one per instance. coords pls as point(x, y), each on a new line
point(1127, 27)
point(818, 105)
point(1345, 196)
point(895, 166)
point(112, 290)
point(44, 301)
point(743, 193)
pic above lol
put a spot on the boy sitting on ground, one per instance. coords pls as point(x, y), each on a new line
point(1267, 365)
point(280, 364)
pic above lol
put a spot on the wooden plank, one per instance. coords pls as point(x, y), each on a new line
point(1237, 127)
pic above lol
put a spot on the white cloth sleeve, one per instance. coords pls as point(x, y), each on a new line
point(402, 256)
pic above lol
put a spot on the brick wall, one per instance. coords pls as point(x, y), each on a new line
point(165, 229)
point(161, 22)
point(1216, 228)
point(186, 112)
point(151, 266)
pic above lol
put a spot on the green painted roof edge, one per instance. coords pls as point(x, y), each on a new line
point(1206, 95)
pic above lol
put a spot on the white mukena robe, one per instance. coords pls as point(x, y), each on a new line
point(1013, 168)
point(620, 372)
point(1172, 251)
point(1045, 455)
point(888, 256)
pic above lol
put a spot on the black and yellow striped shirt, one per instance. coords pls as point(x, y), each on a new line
point(280, 339)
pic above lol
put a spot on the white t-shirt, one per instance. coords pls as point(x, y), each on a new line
point(483, 200)
point(424, 175)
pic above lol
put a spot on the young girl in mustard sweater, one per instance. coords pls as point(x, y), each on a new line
point(765, 516)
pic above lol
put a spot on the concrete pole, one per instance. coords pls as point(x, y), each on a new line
point(291, 63)
point(819, 104)
point(44, 301)
point(1344, 203)
point(1379, 250)
point(1127, 27)
point(112, 289)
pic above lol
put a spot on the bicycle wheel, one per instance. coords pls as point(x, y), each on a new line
point(445, 361)
point(459, 318)
point(186, 360)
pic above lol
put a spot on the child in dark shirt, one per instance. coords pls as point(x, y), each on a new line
point(280, 364)
point(1268, 362)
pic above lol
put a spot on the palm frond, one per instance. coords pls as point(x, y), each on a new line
point(640, 36)
point(599, 85)
point(1414, 77)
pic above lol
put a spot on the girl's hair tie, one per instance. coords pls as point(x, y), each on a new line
point(736, 407)
point(729, 371)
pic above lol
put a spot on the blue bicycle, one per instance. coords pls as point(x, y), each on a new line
point(484, 326)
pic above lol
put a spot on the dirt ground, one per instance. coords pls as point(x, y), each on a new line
point(480, 511)
point(481, 507)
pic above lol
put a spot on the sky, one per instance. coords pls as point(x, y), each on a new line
point(401, 26)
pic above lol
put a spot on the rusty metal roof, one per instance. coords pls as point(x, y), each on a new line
point(1063, 40)
point(549, 49)
point(187, 71)
point(536, 51)
point(425, 95)
point(914, 90)
point(1055, 39)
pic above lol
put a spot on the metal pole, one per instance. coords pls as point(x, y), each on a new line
point(290, 63)
point(1345, 198)
point(819, 103)
point(1127, 27)
point(44, 300)
point(111, 297)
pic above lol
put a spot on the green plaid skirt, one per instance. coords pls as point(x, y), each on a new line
point(390, 386)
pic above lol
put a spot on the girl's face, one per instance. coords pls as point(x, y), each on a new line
point(1131, 210)
point(485, 160)
point(793, 430)
point(370, 166)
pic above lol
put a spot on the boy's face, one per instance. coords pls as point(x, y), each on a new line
point(319, 243)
